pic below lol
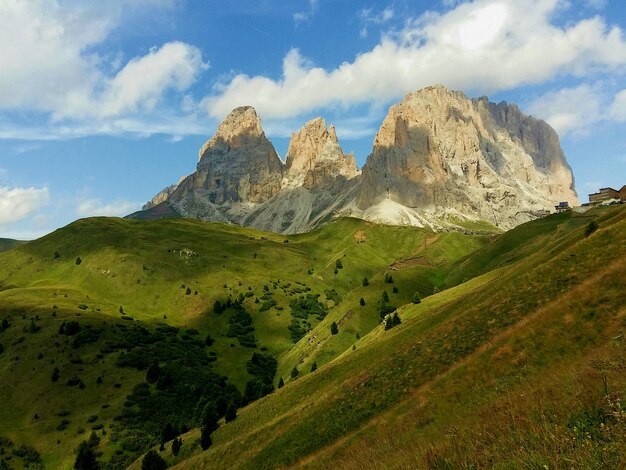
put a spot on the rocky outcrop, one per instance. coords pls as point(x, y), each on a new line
point(315, 158)
point(438, 159)
point(240, 178)
point(163, 195)
point(238, 164)
point(439, 155)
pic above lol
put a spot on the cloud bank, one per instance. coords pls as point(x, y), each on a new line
point(49, 66)
point(483, 46)
point(17, 203)
point(52, 65)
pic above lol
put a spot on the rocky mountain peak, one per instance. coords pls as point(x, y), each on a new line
point(438, 158)
point(237, 165)
point(314, 156)
point(242, 124)
point(441, 152)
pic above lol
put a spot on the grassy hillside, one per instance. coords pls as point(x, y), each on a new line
point(521, 367)
point(121, 278)
point(509, 351)
point(7, 244)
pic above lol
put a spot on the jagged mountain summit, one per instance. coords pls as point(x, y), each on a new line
point(438, 159)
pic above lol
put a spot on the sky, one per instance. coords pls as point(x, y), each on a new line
point(103, 104)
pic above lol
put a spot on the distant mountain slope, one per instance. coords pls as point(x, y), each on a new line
point(8, 244)
point(439, 160)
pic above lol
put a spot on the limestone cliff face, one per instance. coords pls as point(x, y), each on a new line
point(238, 164)
point(240, 178)
point(315, 158)
point(162, 196)
point(442, 155)
point(438, 158)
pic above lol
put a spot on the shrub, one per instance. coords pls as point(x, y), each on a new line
point(338, 264)
point(73, 381)
point(176, 445)
point(218, 307)
point(78, 260)
point(416, 298)
point(55, 374)
point(297, 329)
point(394, 290)
point(307, 305)
point(591, 227)
point(153, 461)
point(362, 302)
point(366, 282)
point(332, 295)
point(314, 366)
point(33, 327)
point(231, 412)
point(70, 328)
point(333, 328)
point(263, 368)
point(294, 373)
point(29, 456)
point(281, 383)
point(205, 438)
point(152, 374)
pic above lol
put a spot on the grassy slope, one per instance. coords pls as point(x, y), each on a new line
point(7, 244)
point(138, 265)
point(505, 370)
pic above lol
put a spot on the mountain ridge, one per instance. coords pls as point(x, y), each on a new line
point(437, 158)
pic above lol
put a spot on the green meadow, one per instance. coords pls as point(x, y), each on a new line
point(508, 352)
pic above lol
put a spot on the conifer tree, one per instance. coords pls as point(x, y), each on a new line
point(177, 443)
point(231, 412)
point(153, 461)
point(205, 438)
point(85, 457)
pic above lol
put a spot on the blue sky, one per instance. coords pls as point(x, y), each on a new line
point(102, 104)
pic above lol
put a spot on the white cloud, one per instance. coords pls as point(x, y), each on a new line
point(307, 15)
point(141, 83)
point(95, 207)
point(569, 110)
point(617, 110)
point(48, 64)
point(17, 203)
point(368, 18)
point(482, 46)
point(576, 110)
